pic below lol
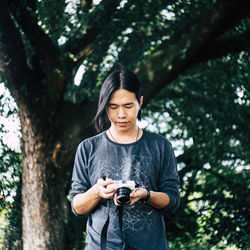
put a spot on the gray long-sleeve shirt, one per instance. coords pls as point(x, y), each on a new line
point(149, 161)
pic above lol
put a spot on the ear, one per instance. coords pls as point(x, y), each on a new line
point(141, 101)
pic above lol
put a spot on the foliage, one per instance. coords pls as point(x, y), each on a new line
point(10, 161)
point(13, 230)
point(192, 54)
point(10, 174)
point(207, 115)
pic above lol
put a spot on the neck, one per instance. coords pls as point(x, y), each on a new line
point(124, 136)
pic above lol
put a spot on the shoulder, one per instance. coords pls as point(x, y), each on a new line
point(91, 141)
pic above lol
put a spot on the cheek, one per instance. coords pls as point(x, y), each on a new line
point(111, 114)
point(134, 113)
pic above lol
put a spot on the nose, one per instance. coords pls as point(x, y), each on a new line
point(121, 113)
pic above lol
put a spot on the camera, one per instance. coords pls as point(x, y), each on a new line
point(124, 188)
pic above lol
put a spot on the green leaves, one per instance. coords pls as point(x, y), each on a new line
point(192, 54)
point(205, 116)
point(10, 160)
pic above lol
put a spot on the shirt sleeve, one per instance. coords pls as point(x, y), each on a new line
point(80, 179)
point(169, 180)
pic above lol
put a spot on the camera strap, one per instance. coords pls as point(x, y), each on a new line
point(120, 210)
point(105, 230)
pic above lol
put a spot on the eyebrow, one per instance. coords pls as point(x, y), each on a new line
point(125, 104)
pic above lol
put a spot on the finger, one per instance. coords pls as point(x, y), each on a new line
point(139, 192)
point(107, 190)
point(135, 194)
point(102, 186)
point(116, 203)
point(132, 194)
point(106, 195)
point(133, 201)
point(111, 189)
point(107, 182)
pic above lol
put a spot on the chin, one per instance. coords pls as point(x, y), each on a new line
point(123, 128)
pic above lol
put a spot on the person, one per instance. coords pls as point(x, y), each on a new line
point(123, 152)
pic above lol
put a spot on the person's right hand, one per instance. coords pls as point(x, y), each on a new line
point(103, 191)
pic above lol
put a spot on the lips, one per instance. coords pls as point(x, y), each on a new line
point(122, 124)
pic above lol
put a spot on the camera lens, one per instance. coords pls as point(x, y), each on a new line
point(123, 195)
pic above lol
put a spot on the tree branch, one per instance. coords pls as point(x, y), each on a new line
point(12, 56)
point(41, 42)
point(224, 46)
point(21, 74)
point(83, 46)
point(32, 4)
point(171, 60)
point(40, 56)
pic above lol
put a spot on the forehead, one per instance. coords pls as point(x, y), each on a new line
point(122, 96)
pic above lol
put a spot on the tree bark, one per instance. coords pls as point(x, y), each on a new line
point(47, 166)
point(43, 193)
point(52, 128)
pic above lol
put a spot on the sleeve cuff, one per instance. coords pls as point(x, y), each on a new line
point(173, 204)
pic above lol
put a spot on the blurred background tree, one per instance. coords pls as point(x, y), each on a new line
point(193, 60)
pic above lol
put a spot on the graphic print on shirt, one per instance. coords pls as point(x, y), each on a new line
point(136, 217)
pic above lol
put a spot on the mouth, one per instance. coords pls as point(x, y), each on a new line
point(122, 124)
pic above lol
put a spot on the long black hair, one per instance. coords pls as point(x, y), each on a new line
point(117, 80)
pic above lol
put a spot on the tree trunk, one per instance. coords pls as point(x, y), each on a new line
point(43, 192)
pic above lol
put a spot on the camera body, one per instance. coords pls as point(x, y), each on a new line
point(124, 188)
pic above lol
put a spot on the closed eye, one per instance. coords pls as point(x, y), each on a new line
point(129, 106)
point(112, 106)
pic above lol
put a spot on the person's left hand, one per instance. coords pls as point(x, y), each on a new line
point(136, 195)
